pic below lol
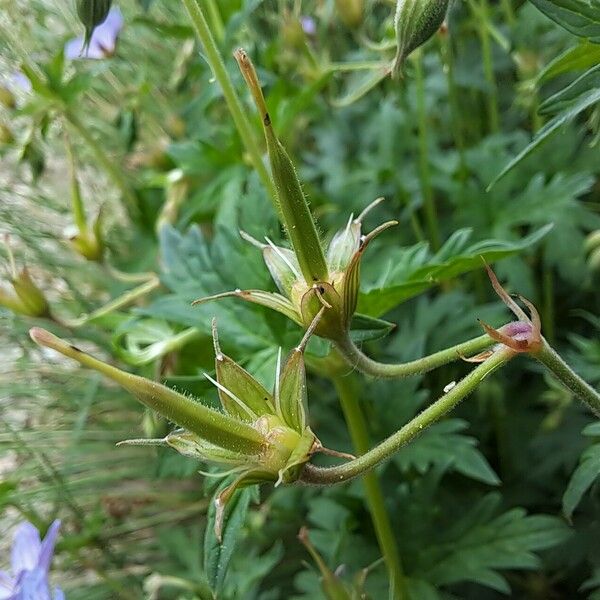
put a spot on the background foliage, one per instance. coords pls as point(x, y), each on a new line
point(502, 495)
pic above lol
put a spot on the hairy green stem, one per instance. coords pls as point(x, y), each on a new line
point(113, 172)
point(583, 390)
point(216, 21)
point(366, 462)
point(368, 366)
point(234, 104)
point(345, 387)
point(426, 188)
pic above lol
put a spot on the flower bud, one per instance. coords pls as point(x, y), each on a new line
point(7, 98)
point(350, 12)
point(27, 299)
point(92, 13)
point(90, 243)
point(6, 135)
point(415, 22)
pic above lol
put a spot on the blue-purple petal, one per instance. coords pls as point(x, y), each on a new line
point(47, 548)
point(59, 594)
point(33, 586)
point(7, 585)
point(26, 549)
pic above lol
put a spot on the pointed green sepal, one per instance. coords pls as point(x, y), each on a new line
point(241, 395)
point(298, 458)
point(343, 245)
point(271, 300)
point(193, 446)
point(323, 295)
point(291, 396)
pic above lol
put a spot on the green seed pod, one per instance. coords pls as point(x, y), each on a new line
point(292, 203)
point(92, 13)
point(415, 22)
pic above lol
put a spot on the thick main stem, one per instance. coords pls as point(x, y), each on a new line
point(234, 104)
point(366, 462)
point(368, 366)
point(345, 387)
point(427, 191)
point(583, 390)
point(488, 65)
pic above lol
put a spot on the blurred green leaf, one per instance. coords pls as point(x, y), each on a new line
point(581, 17)
point(480, 544)
point(218, 555)
point(571, 101)
point(417, 270)
point(444, 444)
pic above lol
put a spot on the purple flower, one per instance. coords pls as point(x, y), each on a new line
point(103, 42)
point(308, 25)
point(30, 563)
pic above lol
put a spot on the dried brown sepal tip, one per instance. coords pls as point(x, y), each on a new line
point(524, 335)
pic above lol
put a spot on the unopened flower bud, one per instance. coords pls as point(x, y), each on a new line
point(7, 98)
point(415, 22)
point(6, 135)
point(27, 299)
point(350, 12)
point(92, 13)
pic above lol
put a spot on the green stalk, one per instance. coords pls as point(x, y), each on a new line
point(216, 21)
point(345, 387)
point(583, 390)
point(368, 366)
point(488, 63)
point(215, 427)
point(456, 120)
point(363, 464)
point(548, 290)
point(427, 190)
point(118, 303)
point(234, 104)
point(113, 172)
